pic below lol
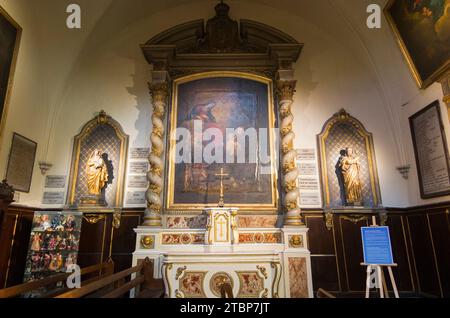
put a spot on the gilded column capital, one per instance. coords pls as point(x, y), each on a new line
point(159, 91)
point(285, 90)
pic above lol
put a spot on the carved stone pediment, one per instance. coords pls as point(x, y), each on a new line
point(221, 44)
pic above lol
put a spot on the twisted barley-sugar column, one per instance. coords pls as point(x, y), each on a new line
point(159, 93)
point(285, 92)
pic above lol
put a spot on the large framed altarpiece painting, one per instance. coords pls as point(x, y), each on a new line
point(218, 110)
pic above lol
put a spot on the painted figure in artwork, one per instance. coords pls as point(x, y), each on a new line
point(97, 173)
point(350, 167)
point(36, 244)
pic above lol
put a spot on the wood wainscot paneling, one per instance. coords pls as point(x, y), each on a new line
point(14, 240)
point(322, 245)
point(101, 239)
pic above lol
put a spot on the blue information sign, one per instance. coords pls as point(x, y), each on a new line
point(377, 245)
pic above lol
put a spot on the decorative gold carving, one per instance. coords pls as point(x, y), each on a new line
point(117, 217)
point(383, 218)
point(265, 293)
point(276, 279)
point(159, 93)
point(180, 271)
point(147, 242)
point(217, 280)
point(354, 218)
point(285, 91)
point(263, 271)
point(296, 241)
point(178, 294)
point(102, 118)
point(93, 218)
point(329, 223)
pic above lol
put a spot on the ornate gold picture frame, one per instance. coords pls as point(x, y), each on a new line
point(420, 28)
point(271, 197)
point(10, 35)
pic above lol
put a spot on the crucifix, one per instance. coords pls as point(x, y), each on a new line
point(221, 175)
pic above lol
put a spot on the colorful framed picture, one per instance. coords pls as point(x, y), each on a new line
point(10, 33)
point(422, 28)
point(21, 163)
point(430, 149)
point(219, 102)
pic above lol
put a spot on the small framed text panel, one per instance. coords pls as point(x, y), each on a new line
point(430, 148)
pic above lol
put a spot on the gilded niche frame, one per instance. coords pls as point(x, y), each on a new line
point(101, 119)
point(325, 166)
point(170, 205)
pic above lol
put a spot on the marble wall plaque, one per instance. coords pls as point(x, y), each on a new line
point(55, 198)
point(139, 182)
point(138, 167)
point(55, 182)
point(309, 198)
point(431, 151)
point(135, 197)
point(307, 168)
point(306, 154)
point(308, 184)
point(139, 153)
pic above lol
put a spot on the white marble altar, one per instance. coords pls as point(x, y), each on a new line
point(256, 262)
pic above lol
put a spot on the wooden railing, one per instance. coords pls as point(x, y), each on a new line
point(322, 293)
point(100, 270)
point(116, 285)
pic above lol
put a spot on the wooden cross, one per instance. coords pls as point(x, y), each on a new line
point(221, 175)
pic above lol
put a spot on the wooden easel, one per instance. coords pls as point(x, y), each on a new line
point(380, 275)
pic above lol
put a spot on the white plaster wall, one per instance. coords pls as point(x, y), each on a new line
point(343, 65)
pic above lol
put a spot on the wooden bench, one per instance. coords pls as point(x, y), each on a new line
point(98, 271)
point(116, 285)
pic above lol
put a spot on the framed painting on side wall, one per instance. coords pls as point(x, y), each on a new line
point(422, 29)
point(21, 163)
point(10, 33)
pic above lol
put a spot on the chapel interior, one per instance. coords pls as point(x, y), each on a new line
point(339, 108)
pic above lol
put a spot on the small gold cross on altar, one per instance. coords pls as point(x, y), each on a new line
point(221, 175)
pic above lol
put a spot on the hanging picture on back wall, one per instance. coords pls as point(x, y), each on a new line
point(422, 29)
point(10, 33)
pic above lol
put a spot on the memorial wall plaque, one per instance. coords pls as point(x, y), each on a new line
point(138, 167)
point(430, 148)
point(139, 153)
point(306, 154)
point(21, 163)
point(55, 182)
point(137, 182)
point(308, 181)
point(53, 198)
point(136, 197)
point(307, 168)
